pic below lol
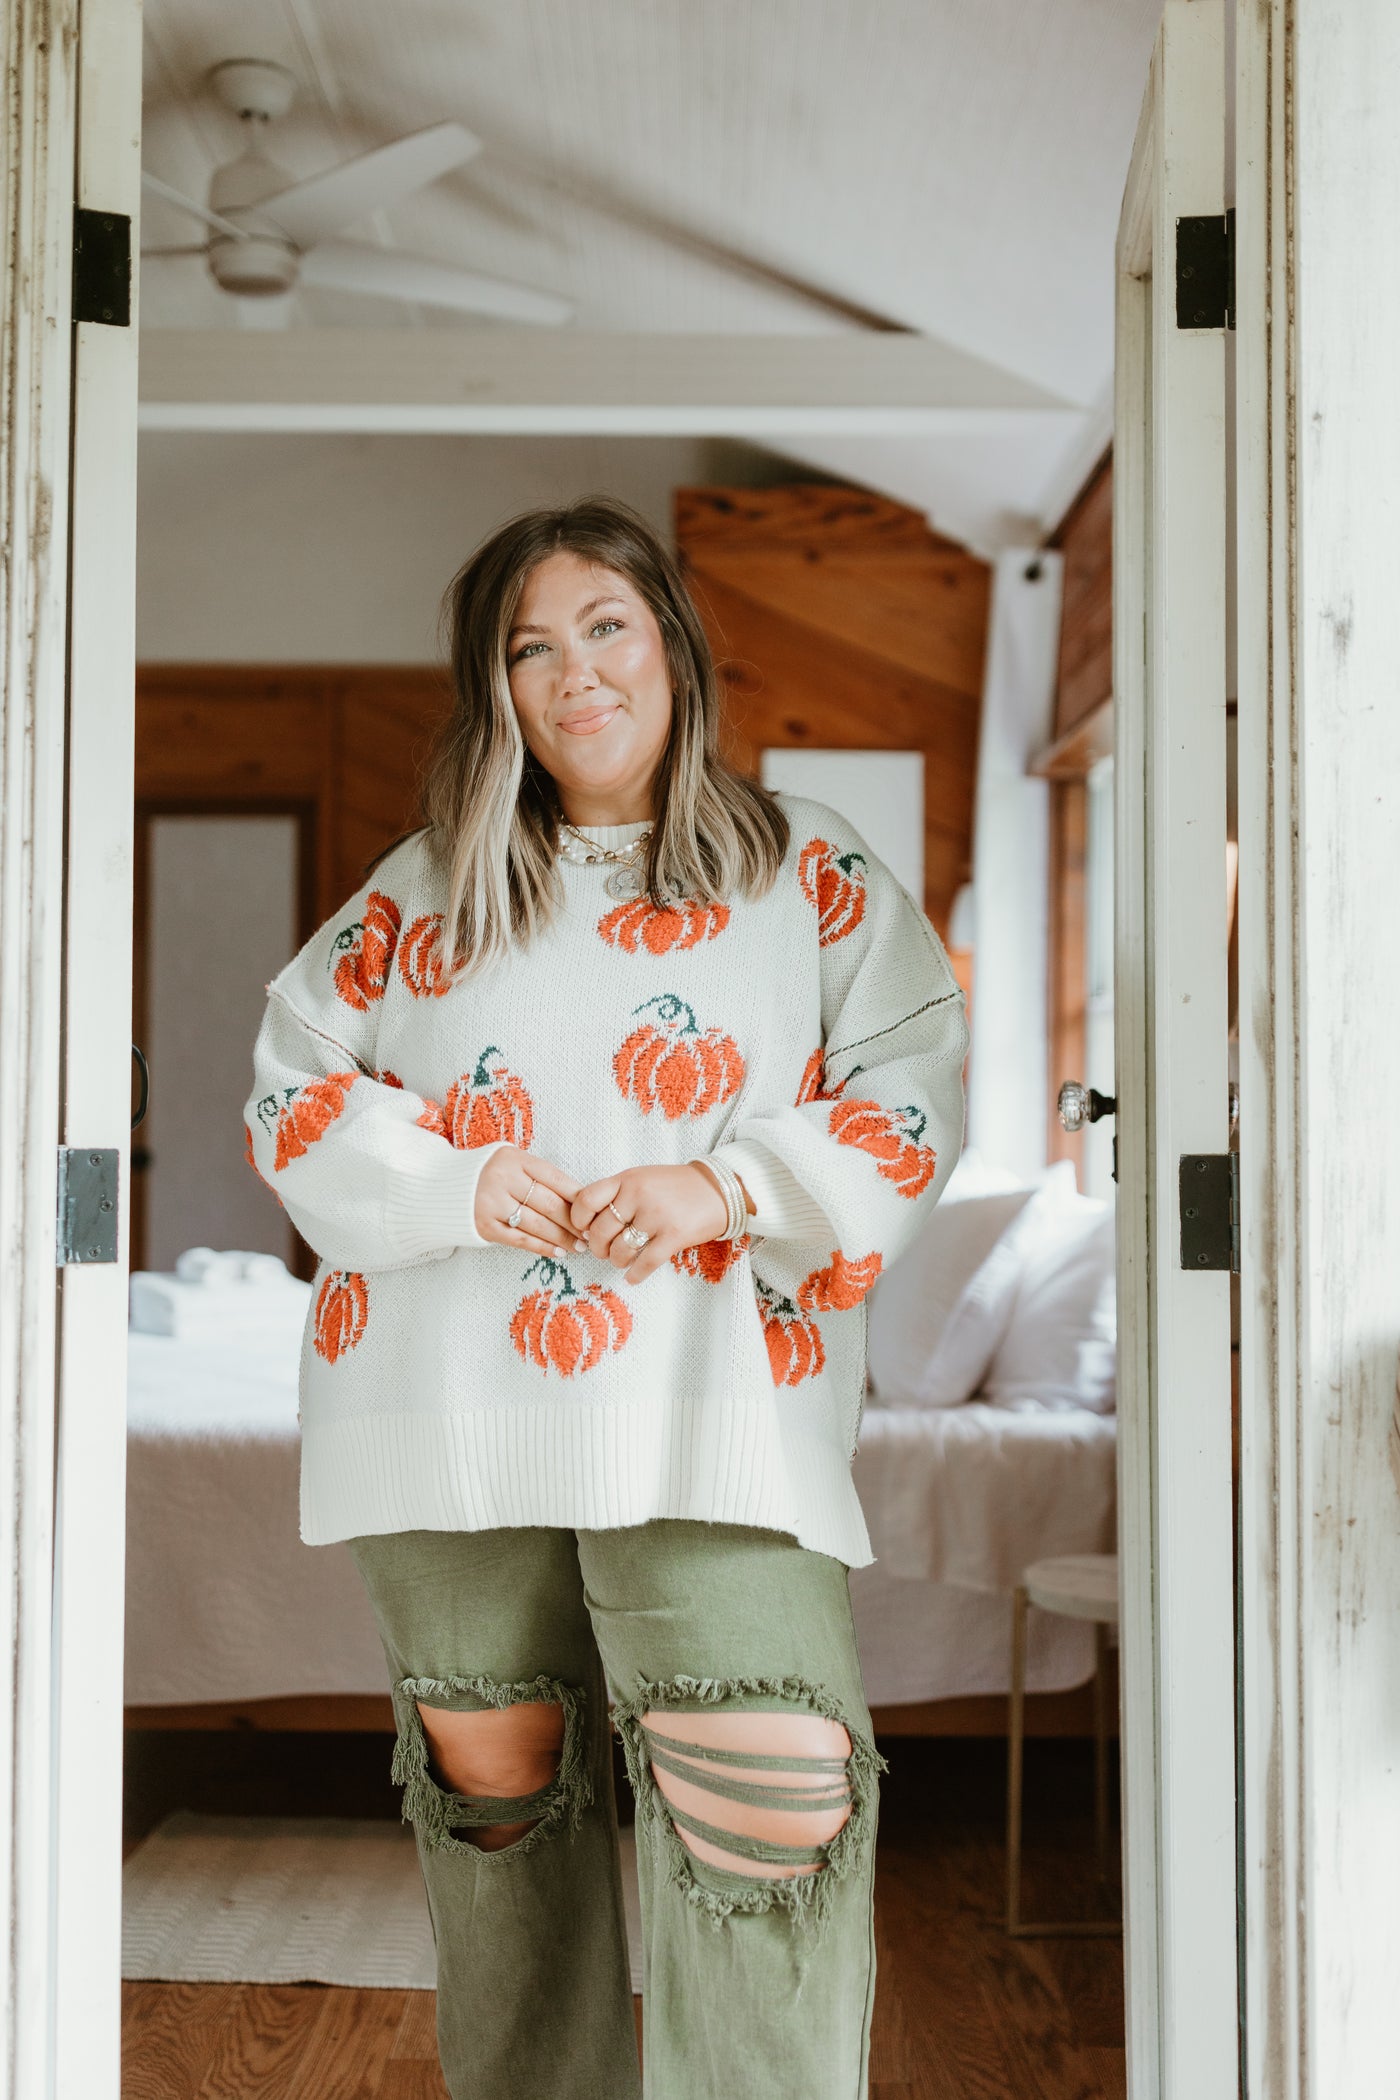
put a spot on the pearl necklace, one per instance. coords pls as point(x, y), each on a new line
point(626, 879)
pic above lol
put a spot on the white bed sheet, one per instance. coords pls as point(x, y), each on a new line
point(225, 1603)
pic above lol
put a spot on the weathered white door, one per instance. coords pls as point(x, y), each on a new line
point(67, 609)
point(1172, 1079)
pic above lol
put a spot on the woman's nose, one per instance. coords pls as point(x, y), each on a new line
point(577, 672)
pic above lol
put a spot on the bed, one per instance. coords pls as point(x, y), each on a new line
point(230, 1617)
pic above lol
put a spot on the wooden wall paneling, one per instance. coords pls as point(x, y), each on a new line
point(383, 738)
point(1069, 826)
point(344, 742)
point(787, 685)
point(921, 610)
point(839, 620)
point(1085, 539)
point(800, 512)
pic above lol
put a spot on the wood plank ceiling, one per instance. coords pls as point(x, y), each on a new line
point(804, 165)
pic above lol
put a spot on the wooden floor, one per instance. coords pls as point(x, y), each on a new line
point(961, 2012)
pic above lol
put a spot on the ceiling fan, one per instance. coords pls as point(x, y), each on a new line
point(268, 232)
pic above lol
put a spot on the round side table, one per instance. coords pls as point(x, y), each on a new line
point(1077, 1586)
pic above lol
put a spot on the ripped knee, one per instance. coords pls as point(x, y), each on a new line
point(762, 1792)
point(488, 1767)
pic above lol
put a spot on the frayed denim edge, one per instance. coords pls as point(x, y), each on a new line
point(807, 1898)
point(431, 1809)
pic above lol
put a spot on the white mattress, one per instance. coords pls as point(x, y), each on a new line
point(225, 1603)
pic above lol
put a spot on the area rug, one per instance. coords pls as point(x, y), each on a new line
point(266, 1899)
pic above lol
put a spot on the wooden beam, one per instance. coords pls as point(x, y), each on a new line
point(1085, 676)
point(1074, 754)
point(803, 514)
point(533, 380)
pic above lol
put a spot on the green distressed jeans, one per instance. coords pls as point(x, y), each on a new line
point(759, 1972)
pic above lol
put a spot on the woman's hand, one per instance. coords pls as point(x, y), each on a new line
point(545, 1225)
point(674, 1206)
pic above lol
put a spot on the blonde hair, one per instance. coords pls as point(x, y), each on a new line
point(492, 810)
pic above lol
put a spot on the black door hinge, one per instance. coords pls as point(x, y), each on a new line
point(1205, 272)
point(102, 267)
point(87, 1204)
point(1209, 1185)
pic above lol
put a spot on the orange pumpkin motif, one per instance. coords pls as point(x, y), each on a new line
point(420, 958)
point(251, 1158)
point(794, 1342)
point(712, 1260)
point(835, 883)
point(891, 1136)
point(673, 1064)
point(304, 1114)
point(841, 1284)
point(432, 1117)
point(659, 928)
point(812, 1085)
point(489, 1104)
point(569, 1331)
point(362, 954)
point(342, 1311)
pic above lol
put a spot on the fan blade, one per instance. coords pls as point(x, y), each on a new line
point(383, 273)
point(321, 205)
point(158, 188)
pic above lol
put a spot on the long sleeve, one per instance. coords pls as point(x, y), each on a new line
point(868, 1146)
point(364, 1167)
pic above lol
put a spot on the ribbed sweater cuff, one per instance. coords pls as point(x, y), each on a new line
point(783, 1210)
point(436, 1207)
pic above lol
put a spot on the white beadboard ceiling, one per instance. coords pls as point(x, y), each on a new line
point(951, 167)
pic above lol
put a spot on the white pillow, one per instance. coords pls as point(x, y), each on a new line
point(976, 1176)
point(1059, 1348)
point(937, 1315)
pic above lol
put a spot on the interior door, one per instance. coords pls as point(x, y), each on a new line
point(1176, 1540)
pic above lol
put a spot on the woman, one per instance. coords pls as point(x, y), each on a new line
point(604, 1103)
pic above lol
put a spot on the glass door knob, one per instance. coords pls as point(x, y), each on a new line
point(1079, 1104)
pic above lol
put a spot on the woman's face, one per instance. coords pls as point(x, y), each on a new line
point(591, 687)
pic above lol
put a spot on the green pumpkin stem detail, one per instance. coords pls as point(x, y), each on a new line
point(549, 1269)
point(669, 1008)
point(481, 1077)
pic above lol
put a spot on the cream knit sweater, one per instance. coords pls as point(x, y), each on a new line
point(814, 1038)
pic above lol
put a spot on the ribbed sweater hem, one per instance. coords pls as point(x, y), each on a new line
point(591, 1468)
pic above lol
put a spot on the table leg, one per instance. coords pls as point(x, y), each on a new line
point(1014, 1759)
point(1101, 1747)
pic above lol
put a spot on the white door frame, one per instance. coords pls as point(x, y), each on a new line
point(1318, 275)
point(90, 1540)
point(1171, 1023)
point(35, 368)
point(65, 899)
point(1316, 1700)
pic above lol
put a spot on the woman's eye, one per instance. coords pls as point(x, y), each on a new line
point(610, 626)
point(526, 649)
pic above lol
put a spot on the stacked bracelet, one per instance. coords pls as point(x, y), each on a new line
point(737, 1219)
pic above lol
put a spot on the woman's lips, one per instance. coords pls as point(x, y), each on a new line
point(588, 720)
